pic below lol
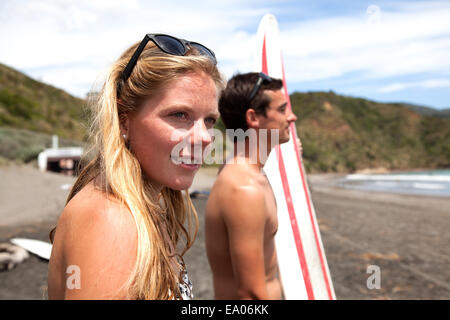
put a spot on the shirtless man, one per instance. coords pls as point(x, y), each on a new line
point(241, 213)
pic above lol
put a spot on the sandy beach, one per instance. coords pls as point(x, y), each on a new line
point(406, 236)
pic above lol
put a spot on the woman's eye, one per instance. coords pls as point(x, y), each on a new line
point(179, 115)
point(210, 121)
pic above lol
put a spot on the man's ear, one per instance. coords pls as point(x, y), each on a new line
point(252, 118)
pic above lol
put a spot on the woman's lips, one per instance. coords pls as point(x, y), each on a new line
point(192, 167)
point(186, 163)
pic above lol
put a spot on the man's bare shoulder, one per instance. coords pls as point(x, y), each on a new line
point(237, 188)
point(239, 176)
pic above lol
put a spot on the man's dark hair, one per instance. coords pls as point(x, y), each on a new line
point(233, 103)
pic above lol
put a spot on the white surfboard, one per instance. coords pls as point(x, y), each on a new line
point(303, 266)
point(40, 248)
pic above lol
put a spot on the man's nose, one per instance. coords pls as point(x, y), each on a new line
point(291, 116)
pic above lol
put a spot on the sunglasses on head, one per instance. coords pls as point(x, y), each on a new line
point(167, 44)
point(262, 79)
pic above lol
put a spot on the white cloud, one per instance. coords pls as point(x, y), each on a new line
point(68, 42)
point(411, 39)
point(46, 38)
point(431, 83)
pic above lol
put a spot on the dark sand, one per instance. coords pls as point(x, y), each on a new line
point(406, 236)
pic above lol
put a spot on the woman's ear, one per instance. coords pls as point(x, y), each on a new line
point(251, 118)
point(124, 125)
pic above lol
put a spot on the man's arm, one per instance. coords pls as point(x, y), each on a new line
point(244, 214)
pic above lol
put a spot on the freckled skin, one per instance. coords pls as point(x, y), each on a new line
point(188, 105)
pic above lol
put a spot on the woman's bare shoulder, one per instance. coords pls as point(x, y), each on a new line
point(91, 207)
point(97, 234)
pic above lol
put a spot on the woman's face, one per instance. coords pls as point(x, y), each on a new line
point(167, 128)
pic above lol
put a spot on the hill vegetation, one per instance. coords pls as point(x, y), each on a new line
point(342, 133)
point(29, 104)
point(23, 145)
point(338, 133)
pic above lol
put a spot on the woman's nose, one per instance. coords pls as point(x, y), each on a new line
point(200, 134)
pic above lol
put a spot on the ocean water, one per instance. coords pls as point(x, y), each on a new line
point(433, 182)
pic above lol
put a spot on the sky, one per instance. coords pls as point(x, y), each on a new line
point(386, 51)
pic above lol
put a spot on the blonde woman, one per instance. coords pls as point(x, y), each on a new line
point(117, 236)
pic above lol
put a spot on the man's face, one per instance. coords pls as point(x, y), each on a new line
point(278, 116)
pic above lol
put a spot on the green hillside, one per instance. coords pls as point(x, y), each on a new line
point(338, 133)
point(23, 145)
point(444, 113)
point(341, 133)
point(29, 104)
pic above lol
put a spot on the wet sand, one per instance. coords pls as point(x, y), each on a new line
point(405, 236)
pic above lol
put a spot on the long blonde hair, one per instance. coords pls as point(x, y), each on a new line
point(118, 173)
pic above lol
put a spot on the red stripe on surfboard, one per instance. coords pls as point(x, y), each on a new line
point(308, 199)
point(295, 228)
point(287, 194)
point(264, 58)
